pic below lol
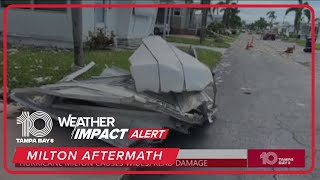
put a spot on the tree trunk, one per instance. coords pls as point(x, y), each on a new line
point(204, 21)
point(76, 14)
point(225, 17)
point(169, 20)
point(165, 23)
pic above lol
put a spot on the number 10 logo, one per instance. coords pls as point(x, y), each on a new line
point(269, 158)
point(27, 122)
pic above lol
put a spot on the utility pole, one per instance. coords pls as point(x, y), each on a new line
point(76, 15)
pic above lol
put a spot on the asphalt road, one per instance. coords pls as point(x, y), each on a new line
point(264, 99)
point(264, 102)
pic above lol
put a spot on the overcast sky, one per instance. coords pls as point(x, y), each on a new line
point(250, 15)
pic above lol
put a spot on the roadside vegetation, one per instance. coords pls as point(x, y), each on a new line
point(209, 57)
point(31, 67)
point(219, 34)
point(211, 42)
point(206, 56)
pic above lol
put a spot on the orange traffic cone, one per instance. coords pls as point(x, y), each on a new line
point(248, 45)
point(251, 43)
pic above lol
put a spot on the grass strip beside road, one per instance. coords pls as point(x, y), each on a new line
point(196, 41)
point(32, 67)
point(208, 57)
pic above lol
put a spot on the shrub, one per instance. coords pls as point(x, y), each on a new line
point(233, 31)
point(100, 39)
point(219, 40)
point(216, 27)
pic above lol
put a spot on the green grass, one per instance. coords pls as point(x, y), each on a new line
point(195, 41)
point(28, 64)
point(207, 57)
point(185, 49)
point(230, 39)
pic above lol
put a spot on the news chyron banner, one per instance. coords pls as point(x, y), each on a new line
point(103, 128)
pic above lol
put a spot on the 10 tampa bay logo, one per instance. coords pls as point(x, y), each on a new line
point(32, 134)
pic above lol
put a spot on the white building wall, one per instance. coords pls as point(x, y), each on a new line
point(142, 23)
point(54, 28)
point(38, 24)
point(88, 20)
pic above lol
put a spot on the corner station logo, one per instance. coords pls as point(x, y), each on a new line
point(271, 158)
point(27, 122)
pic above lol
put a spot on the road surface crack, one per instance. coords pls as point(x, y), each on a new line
point(293, 134)
point(275, 177)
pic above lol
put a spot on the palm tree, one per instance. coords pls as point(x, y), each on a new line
point(227, 11)
point(299, 12)
point(233, 19)
point(271, 15)
point(261, 24)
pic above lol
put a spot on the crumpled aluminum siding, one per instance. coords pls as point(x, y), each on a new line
point(160, 67)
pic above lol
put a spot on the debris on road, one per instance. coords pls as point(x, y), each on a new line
point(290, 49)
point(165, 89)
point(246, 91)
point(225, 64)
point(300, 104)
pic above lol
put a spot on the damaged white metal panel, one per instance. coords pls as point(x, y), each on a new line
point(197, 75)
point(144, 70)
point(191, 100)
point(160, 67)
point(170, 69)
point(113, 72)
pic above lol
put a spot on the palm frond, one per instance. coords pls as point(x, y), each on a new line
point(291, 10)
point(221, 2)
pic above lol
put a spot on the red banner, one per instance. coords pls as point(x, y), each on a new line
point(179, 163)
point(95, 155)
point(148, 133)
point(276, 158)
